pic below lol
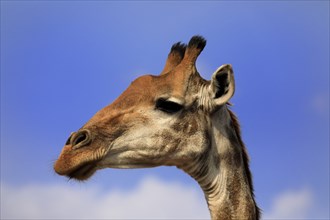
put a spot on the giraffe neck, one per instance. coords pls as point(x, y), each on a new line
point(221, 174)
point(228, 195)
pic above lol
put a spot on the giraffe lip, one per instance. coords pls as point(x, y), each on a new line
point(83, 172)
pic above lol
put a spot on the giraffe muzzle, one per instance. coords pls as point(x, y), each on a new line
point(80, 139)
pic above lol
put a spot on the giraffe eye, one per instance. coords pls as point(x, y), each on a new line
point(168, 106)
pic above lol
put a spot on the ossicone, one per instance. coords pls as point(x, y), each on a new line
point(197, 42)
point(195, 47)
point(174, 57)
point(185, 55)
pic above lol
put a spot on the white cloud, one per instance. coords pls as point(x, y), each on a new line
point(151, 199)
point(291, 204)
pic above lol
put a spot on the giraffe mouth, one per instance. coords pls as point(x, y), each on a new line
point(84, 171)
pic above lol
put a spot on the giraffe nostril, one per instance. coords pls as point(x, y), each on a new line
point(80, 139)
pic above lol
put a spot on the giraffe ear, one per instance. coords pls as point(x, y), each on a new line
point(222, 85)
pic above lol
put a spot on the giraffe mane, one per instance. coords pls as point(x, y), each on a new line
point(246, 160)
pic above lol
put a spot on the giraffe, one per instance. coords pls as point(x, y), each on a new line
point(177, 119)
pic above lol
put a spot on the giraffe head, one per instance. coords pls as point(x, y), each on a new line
point(157, 120)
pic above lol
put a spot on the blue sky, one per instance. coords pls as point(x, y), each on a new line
point(63, 61)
